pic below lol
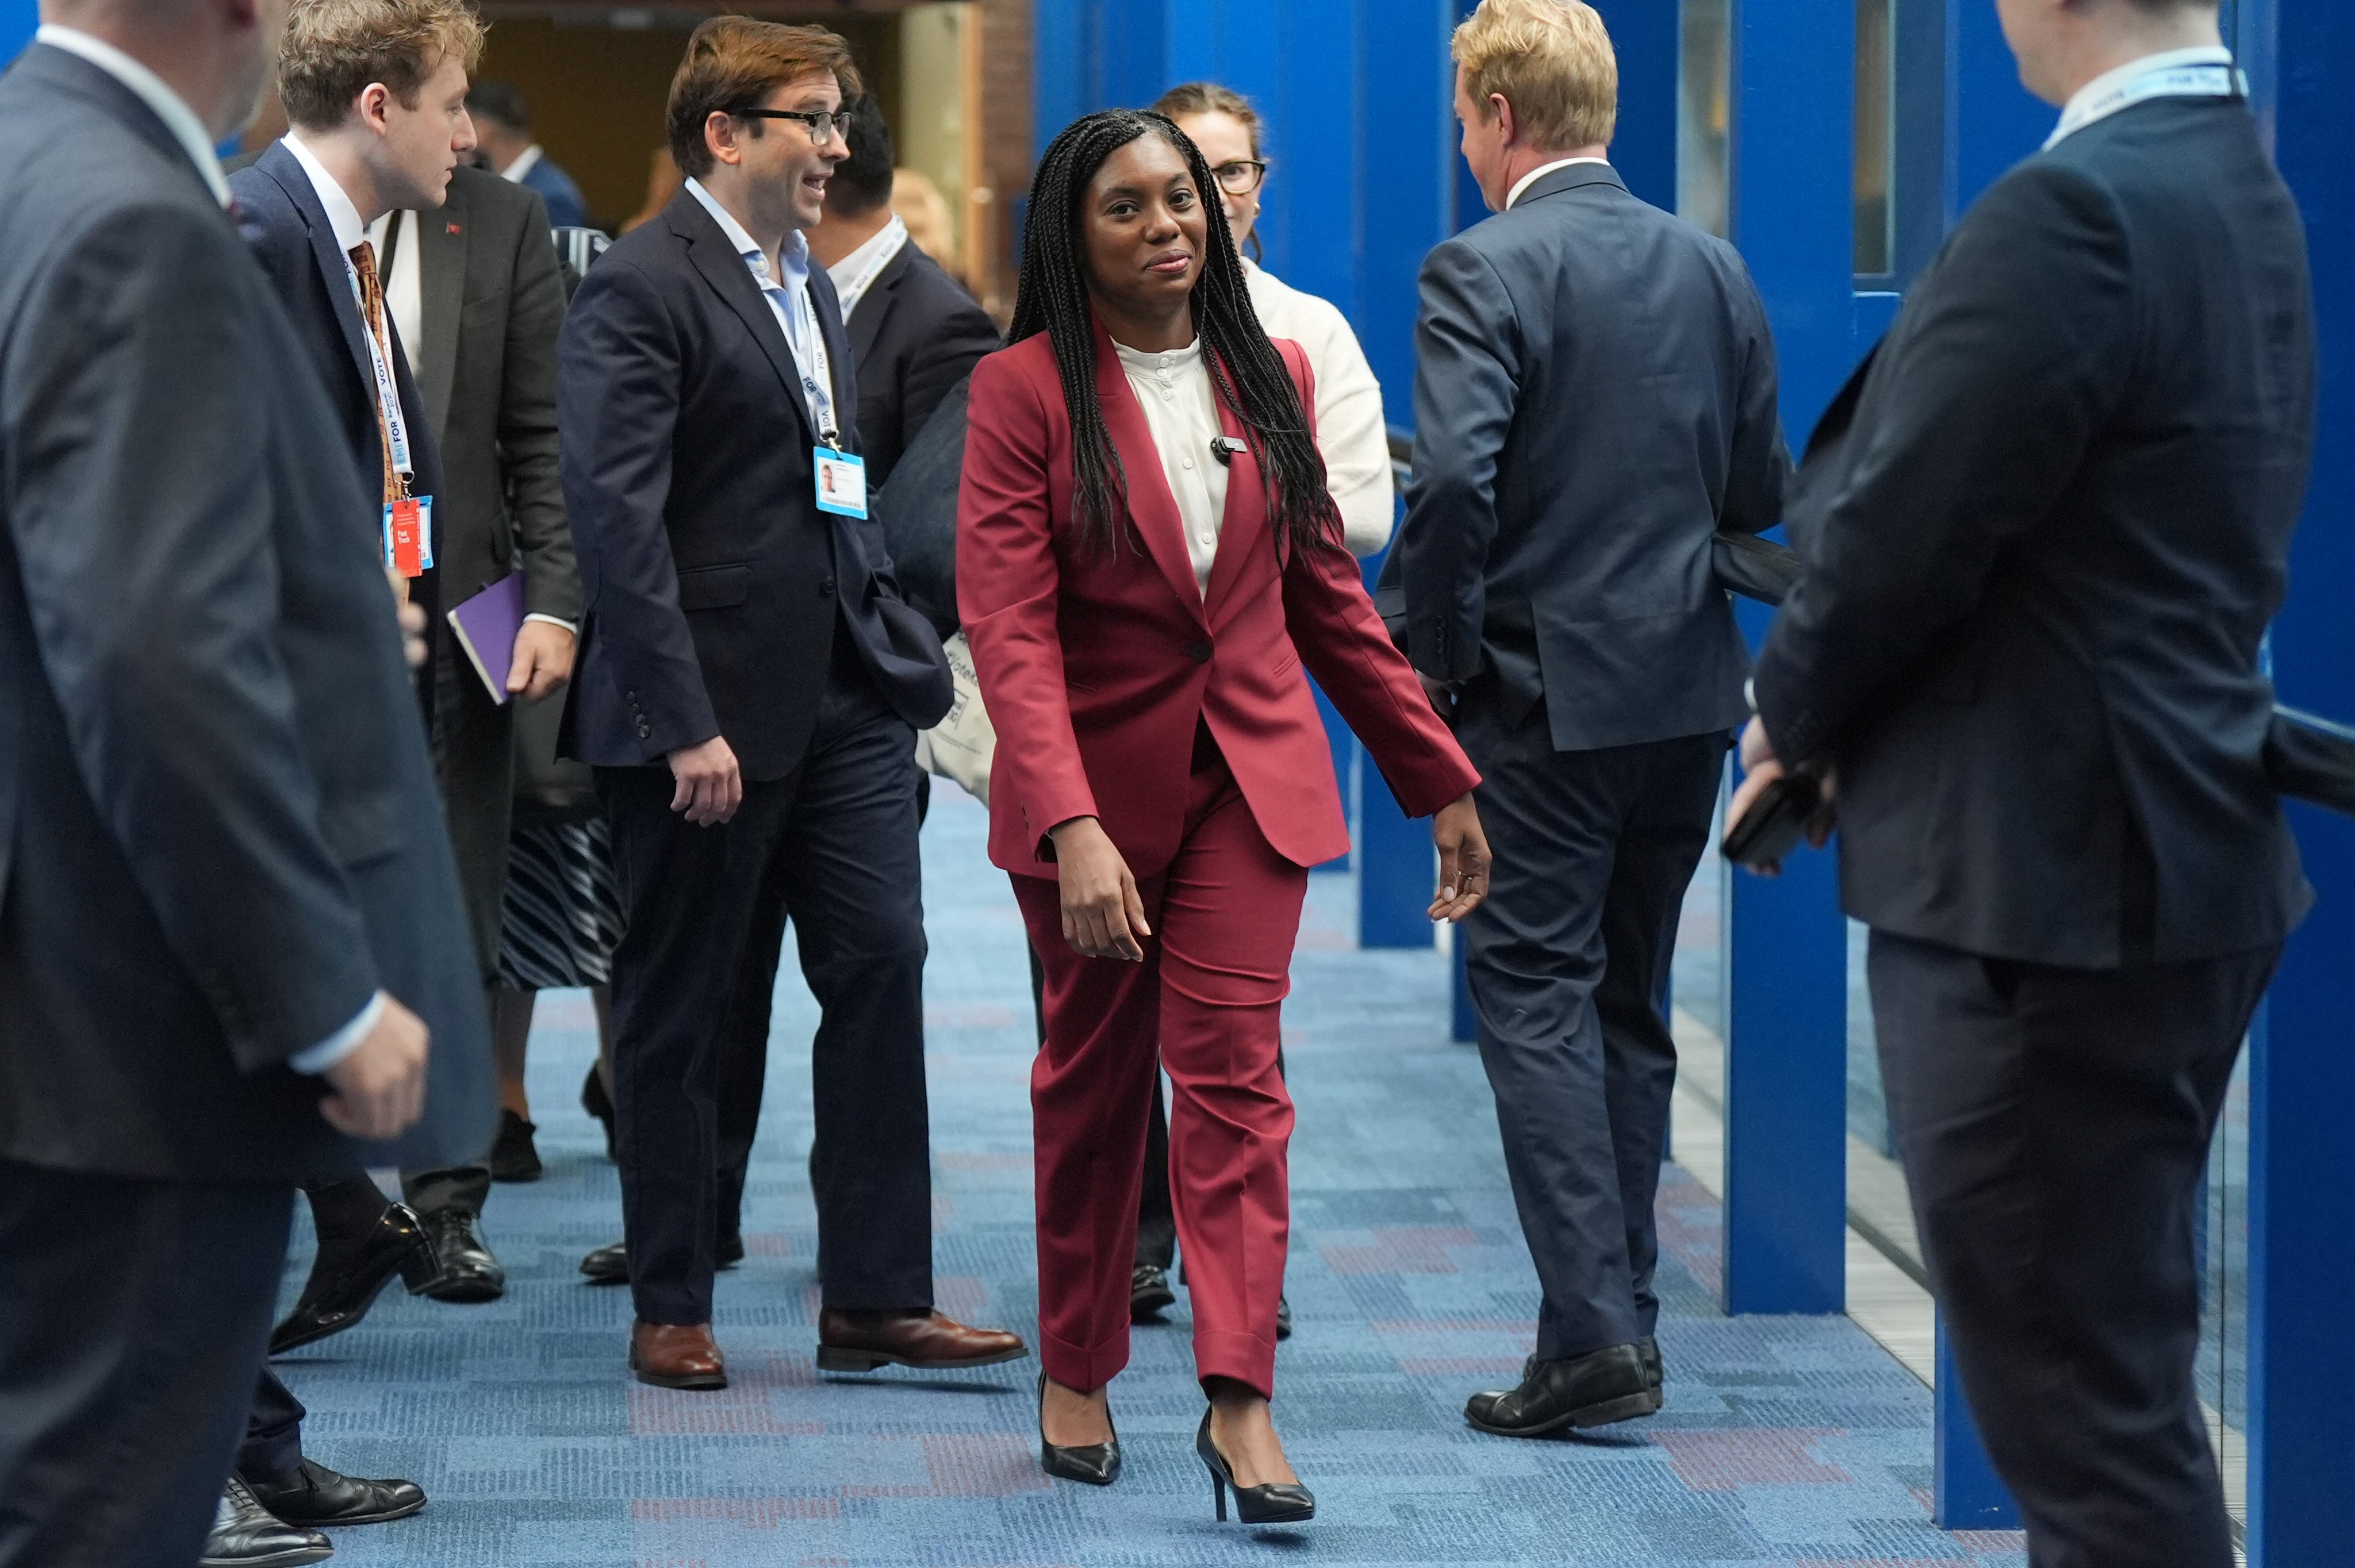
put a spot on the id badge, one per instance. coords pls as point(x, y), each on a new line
point(841, 481)
point(405, 526)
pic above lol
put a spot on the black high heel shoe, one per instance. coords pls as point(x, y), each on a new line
point(1278, 1503)
point(1097, 1464)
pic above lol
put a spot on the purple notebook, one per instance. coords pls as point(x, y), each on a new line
point(486, 625)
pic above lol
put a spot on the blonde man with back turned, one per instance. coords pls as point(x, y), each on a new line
point(1571, 466)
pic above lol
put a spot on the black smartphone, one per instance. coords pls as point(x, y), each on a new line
point(1775, 823)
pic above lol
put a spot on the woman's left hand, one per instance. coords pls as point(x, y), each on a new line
point(1462, 860)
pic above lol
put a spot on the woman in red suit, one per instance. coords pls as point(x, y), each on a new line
point(1148, 568)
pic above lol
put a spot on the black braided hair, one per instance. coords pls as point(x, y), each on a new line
point(1245, 369)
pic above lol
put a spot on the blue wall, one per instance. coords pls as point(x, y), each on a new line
point(17, 18)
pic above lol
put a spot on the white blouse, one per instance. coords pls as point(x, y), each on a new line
point(1350, 429)
point(1180, 409)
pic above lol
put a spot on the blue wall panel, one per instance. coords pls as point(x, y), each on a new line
point(1787, 1056)
point(2302, 1080)
point(18, 19)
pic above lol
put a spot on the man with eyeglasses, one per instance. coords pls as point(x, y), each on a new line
point(748, 690)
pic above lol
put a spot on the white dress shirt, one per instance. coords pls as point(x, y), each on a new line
point(524, 162)
point(1182, 412)
point(789, 300)
point(150, 88)
point(1540, 172)
point(2190, 73)
point(1350, 431)
point(856, 273)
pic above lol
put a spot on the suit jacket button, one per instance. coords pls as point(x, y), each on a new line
point(825, 589)
point(644, 733)
point(1199, 652)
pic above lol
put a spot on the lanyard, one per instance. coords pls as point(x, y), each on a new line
point(817, 379)
point(2172, 81)
point(387, 396)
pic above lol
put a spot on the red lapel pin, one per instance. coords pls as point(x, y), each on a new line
point(452, 227)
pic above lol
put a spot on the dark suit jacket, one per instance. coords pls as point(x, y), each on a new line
point(282, 219)
point(915, 334)
point(212, 780)
point(492, 301)
point(1594, 398)
point(2045, 529)
point(714, 582)
point(566, 209)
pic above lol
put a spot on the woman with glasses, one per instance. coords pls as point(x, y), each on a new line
point(1148, 559)
point(1350, 432)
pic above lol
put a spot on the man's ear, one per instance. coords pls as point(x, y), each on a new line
point(375, 106)
point(1501, 114)
point(719, 137)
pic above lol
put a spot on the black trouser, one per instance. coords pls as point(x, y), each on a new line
point(132, 1316)
point(832, 847)
point(1567, 960)
point(272, 1448)
point(2054, 1125)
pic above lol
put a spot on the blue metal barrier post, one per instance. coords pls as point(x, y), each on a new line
point(2301, 1359)
point(1787, 1066)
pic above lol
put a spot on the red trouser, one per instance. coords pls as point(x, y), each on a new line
point(1224, 916)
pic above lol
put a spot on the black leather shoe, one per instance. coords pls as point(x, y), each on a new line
point(1595, 1390)
point(248, 1535)
point(611, 1264)
point(1097, 1464)
point(317, 1495)
point(600, 1105)
point(468, 1271)
point(514, 1155)
point(1277, 1502)
point(1649, 1349)
point(1149, 1294)
point(1284, 1317)
point(346, 1277)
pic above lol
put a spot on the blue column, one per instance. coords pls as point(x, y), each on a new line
point(18, 19)
point(1965, 1492)
point(2302, 1163)
point(1787, 970)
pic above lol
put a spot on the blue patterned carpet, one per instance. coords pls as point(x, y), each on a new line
point(1788, 1443)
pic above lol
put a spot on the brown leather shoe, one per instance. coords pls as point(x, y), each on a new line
point(861, 1341)
point(676, 1355)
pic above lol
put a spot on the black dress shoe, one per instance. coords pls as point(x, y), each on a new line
point(611, 1264)
point(248, 1535)
point(600, 1105)
point(1595, 1390)
point(1284, 1317)
point(1277, 1502)
point(1097, 1464)
point(1149, 1294)
point(468, 1271)
point(1649, 1349)
point(317, 1495)
point(346, 1277)
point(514, 1155)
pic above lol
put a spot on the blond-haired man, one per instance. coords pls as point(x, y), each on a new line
point(1594, 398)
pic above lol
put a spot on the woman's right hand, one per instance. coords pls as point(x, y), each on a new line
point(1102, 915)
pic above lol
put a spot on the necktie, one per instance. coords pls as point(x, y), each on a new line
point(362, 257)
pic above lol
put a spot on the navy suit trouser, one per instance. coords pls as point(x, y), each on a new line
point(1567, 960)
point(133, 1315)
point(831, 847)
point(2055, 1124)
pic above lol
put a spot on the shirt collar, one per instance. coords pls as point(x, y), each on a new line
point(151, 90)
point(857, 272)
point(342, 217)
point(793, 253)
point(1540, 172)
point(524, 162)
point(2085, 106)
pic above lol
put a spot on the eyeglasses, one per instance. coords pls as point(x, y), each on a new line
point(1240, 177)
point(823, 124)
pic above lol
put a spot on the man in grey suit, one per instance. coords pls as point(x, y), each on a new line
point(2044, 530)
point(1594, 398)
point(229, 927)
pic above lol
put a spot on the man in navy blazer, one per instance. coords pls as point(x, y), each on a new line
point(2044, 530)
point(231, 918)
point(748, 689)
point(1594, 398)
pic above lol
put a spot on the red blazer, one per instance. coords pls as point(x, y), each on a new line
point(1096, 668)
